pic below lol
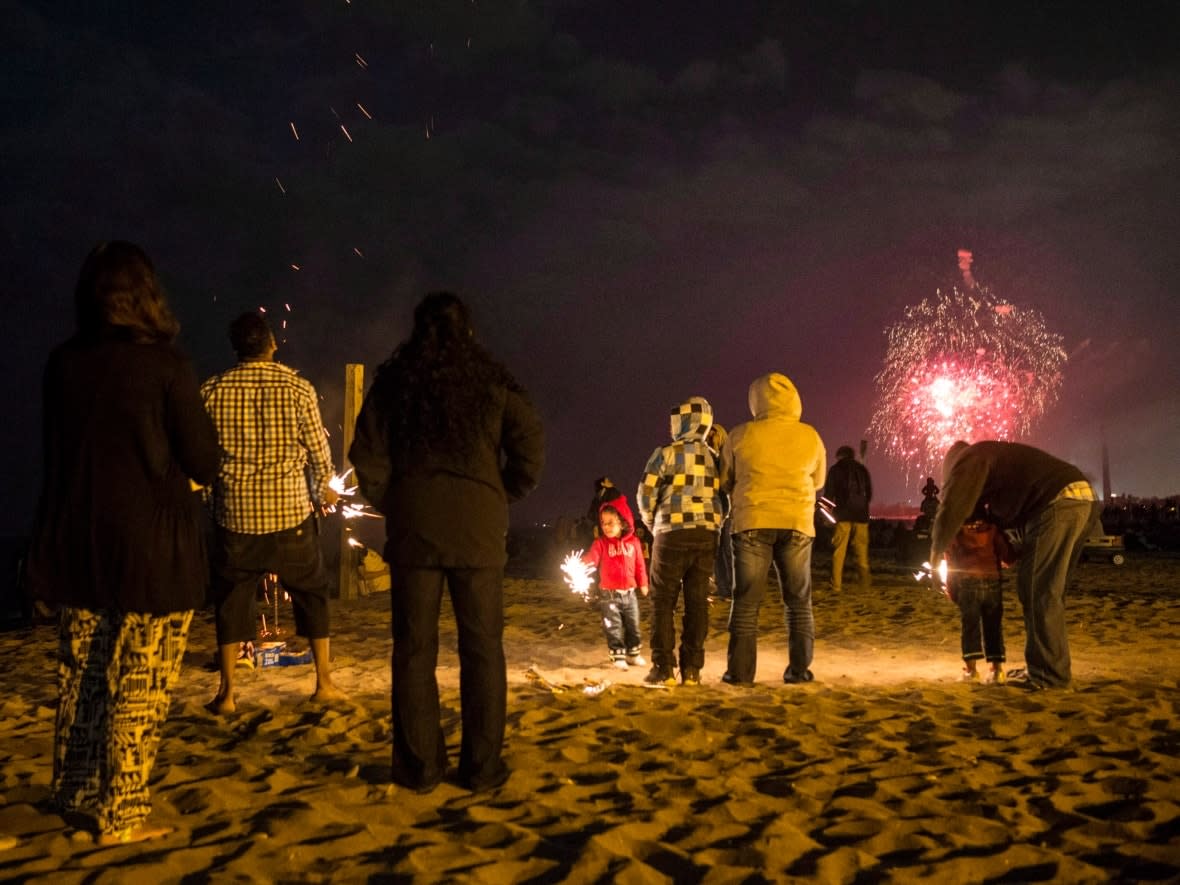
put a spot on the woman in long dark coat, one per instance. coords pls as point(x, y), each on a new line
point(117, 542)
point(445, 439)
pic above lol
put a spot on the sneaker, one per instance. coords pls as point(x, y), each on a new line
point(637, 660)
point(621, 663)
point(660, 676)
point(690, 676)
point(969, 676)
point(790, 678)
point(999, 677)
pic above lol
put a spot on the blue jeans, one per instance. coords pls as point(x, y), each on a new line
point(620, 621)
point(753, 552)
point(723, 568)
point(1053, 541)
point(981, 616)
point(681, 558)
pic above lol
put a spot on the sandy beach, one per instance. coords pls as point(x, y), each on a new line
point(887, 768)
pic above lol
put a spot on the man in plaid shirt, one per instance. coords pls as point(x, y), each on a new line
point(273, 478)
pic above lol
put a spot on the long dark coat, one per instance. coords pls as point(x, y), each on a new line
point(449, 511)
point(118, 525)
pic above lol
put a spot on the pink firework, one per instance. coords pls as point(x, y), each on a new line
point(963, 365)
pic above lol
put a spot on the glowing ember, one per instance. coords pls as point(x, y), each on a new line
point(963, 365)
point(926, 573)
point(339, 484)
point(828, 508)
point(348, 508)
point(579, 575)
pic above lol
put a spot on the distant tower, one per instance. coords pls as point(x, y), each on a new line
point(1105, 470)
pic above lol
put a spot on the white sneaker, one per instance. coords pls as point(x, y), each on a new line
point(637, 660)
point(621, 664)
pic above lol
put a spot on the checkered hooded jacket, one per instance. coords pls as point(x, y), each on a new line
point(681, 487)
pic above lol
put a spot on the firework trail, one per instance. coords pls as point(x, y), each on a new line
point(962, 365)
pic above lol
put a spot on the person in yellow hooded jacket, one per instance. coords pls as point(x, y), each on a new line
point(771, 467)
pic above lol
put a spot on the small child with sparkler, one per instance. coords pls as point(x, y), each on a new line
point(976, 559)
point(618, 555)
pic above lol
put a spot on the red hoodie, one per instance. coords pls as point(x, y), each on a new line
point(619, 560)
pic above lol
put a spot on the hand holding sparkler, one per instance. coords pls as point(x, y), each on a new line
point(935, 576)
point(578, 574)
point(341, 494)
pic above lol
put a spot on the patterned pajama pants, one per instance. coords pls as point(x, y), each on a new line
point(115, 680)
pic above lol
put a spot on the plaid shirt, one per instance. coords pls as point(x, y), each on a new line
point(271, 433)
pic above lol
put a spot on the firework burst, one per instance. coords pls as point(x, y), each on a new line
point(963, 365)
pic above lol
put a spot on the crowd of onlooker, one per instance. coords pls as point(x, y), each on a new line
point(1144, 523)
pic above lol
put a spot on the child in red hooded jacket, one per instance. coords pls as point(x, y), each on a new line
point(618, 555)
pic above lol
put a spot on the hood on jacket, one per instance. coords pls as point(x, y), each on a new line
point(619, 503)
point(774, 394)
point(691, 419)
point(953, 454)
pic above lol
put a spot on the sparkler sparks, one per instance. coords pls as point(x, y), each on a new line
point(926, 572)
point(579, 575)
point(348, 508)
point(828, 508)
point(963, 365)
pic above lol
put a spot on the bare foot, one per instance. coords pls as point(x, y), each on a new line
point(127, 836)
point(222, 705)
point(327, 693)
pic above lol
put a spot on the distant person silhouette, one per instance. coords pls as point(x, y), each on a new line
point(850, 487)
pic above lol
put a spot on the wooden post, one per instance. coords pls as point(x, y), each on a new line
point(354, 387)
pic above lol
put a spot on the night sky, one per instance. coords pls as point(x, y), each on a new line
point(642, 201)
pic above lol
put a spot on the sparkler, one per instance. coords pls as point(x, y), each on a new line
point(578, 574)
point(827, 507)
point(963, 365)
point(349, 509)
point(926, 572)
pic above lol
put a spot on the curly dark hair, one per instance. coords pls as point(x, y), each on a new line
point(118, 287)
point(436, 383)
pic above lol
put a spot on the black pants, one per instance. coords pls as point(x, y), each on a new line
point(681, 559)
point(419, 747)
point(240, 561)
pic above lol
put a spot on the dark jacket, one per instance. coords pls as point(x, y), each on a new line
point(118, 525)
point(1014, 481)
point(850, 487)
point(445, 511)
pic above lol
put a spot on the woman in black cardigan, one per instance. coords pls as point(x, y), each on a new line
point(117, 542)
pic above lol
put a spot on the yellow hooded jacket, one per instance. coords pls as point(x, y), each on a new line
point(772, 465)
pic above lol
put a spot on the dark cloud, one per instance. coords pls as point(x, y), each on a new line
point(639, 208)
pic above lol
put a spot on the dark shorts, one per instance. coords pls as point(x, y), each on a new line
point(239, 563)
